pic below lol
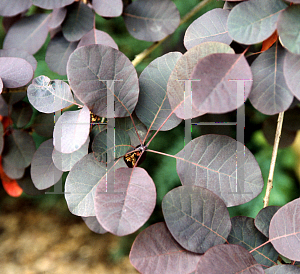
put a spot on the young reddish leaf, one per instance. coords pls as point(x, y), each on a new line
point(12, 188)
point(285, 230)
point(197, 218)
point(126, 210)
point(209, 27)
point(210, 161)
point(183, 70)
point(245, 234)
point(270, 41)
point(155, 251)
point(151, 20)
point(227, 259)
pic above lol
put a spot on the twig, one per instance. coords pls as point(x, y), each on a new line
point(273, 160)
point(138, 58)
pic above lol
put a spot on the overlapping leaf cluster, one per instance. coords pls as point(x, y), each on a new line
point(197, 221)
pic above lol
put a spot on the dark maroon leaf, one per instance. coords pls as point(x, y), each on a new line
point(153, 106)
point(93, 224)
point(43, 124)
point(49, 96)
point(71, 130)
point(263, 219)
point(288, 28)
point(14, 96)
point(11, 170)
point(21, 114)
point(3, 105)
point(58, 53)
point(14, 7)
point(90, 70)
point(291, 71)
point(65, 161)
point(19, 149)
point(15, 72)
point(124, 212)
point(57, 17)
point(211, 26)
point(245, 234)
point(228, 259)
point(151, 20)
point(95, 36)
point(121, 144)
point(197, 218)
point(27, 185)
point(81, 184)
point(52, 4)
point(270, 93)
point(28, 34)
point(285, 230)
point(127, 125)
point(43, 171)
point(210, 161)
point(282, 269)
point(112, 8)
point(155, 251)
point(21, 54)
point(254, 21)
point(79, 21)
point(217, 91)
point(183, 70)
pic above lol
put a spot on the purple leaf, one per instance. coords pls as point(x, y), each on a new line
point(210, 161)
point(245, 234)
point(71, 130)
point(21, 54)
point(43, 171)
point(285, 230)
point(211, 26)
point(81, 184)
point(93, 224)
point(49, 96)
point(79, 21)
point(95, 36)
point(227, 259)
point(153, 106)
point(151, 20)
point(155, 251)
point(183, 70)
point(14, 7)
point(88, 69)
point(125, 211)
point(65, 161)
point(52, 4)
point(197, 218)
point(11, 170)
point(57, 17)
point(291, 71)
point(112, 8)
point(283, 268)
point(254, 21)
point(28, 34)
point(15, 72)
point(270, 93)
point(19, 149)
point(1, 87)
point(58, 53)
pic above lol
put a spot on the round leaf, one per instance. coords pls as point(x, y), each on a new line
point(112, 8)
point(130, 206)
point(93, 224)
point(197, 218)
point(151, 20)
point(263, 219)
point(291, 71)
point(91, 70)
point(210, 161)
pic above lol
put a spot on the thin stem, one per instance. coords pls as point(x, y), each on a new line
point(273, 160)
point(138, 58)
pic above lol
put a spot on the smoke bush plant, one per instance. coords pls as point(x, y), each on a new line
point(250, 42)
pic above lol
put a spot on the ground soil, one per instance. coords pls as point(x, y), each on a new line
point(38, 239)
